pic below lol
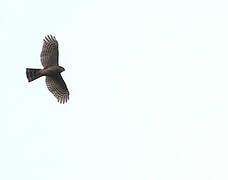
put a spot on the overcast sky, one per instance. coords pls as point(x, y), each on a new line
point(148, 86)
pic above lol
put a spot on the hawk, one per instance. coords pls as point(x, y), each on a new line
point(49, 59)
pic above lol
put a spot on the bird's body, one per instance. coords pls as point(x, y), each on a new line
point(52, 71)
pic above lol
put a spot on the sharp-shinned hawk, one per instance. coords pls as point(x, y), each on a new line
point(49, 59)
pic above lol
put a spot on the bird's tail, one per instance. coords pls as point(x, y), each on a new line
point(33, 74)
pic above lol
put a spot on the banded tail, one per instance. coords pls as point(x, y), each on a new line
point(33, 74)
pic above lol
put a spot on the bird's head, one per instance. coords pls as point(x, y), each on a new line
point(61, 69)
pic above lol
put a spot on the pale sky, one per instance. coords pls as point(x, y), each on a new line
point(148, 86)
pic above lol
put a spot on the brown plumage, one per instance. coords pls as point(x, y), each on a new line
point(49, 59)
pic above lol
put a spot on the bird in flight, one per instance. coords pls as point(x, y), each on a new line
point(49, 59)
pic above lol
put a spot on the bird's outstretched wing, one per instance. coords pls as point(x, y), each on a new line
point(58, 88)
point(49, 54)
